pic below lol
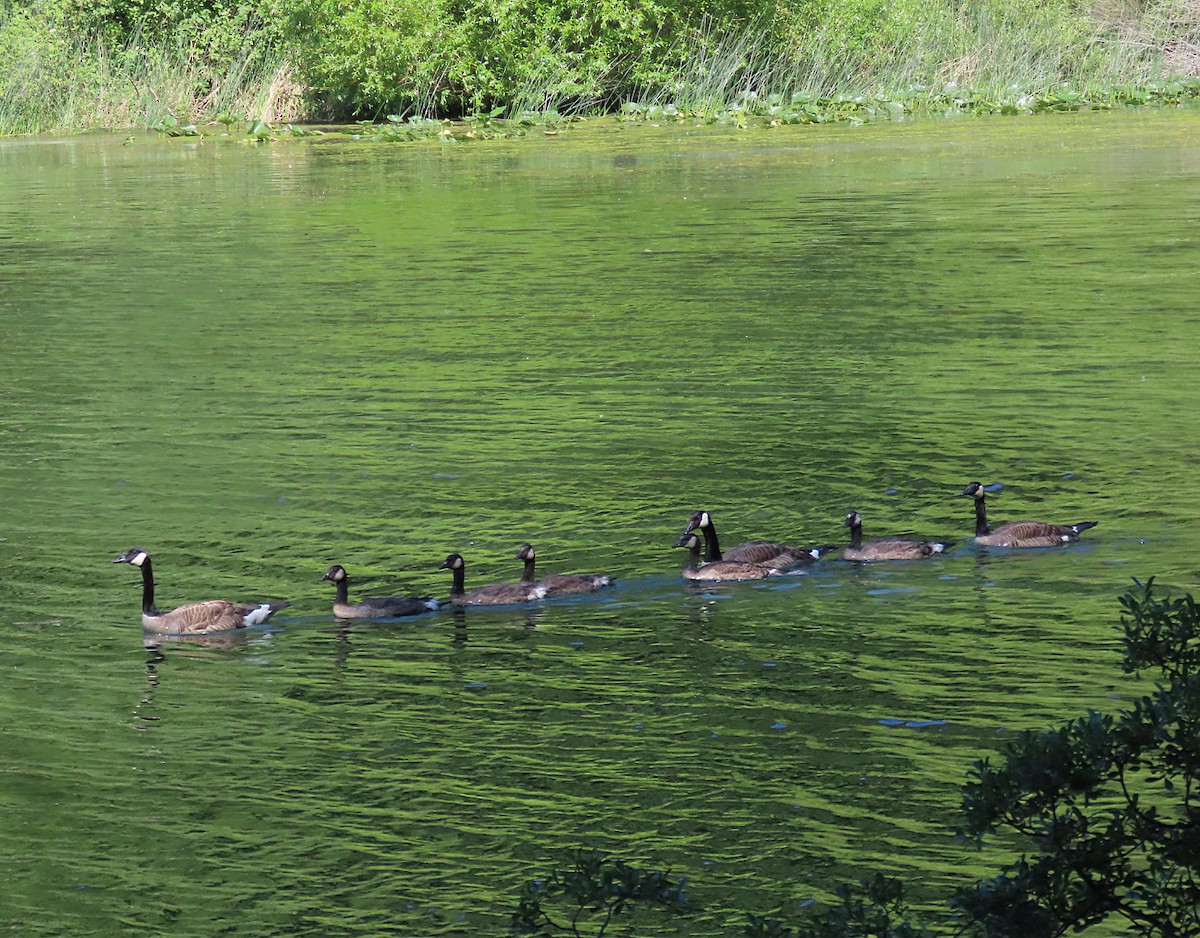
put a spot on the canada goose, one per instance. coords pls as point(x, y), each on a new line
point(720, 569)
point(1020, 533)
point(886, 548)
point(559, 583)
point(494, 595)
point(216, 615)
point(781, 556)
point(378, 607)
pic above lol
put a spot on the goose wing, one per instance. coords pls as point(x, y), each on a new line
point(215, 615)
point(502, 593)
point(771, 554)
point(1031, 534)
point(387, 607)
point(730, 570)
point(894, 548)
point(558, 583)
point(758, 552)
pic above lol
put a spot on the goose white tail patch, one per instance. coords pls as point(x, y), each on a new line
point(139, 559)
point(433, 605)
point(538, 592)
point(938, 547)
point(259, 615)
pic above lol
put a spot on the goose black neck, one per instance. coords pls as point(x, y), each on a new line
point(148, 606)
point(712, 549)
point(856, 535)
point(527, 578)
point(981, 525)
point(457, 587)
point(693, 561)
point(343, 591)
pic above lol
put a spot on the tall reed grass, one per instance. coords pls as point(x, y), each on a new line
point(984, 48)
point(73, 83)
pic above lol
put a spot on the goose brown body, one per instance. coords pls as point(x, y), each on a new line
point(769, 553)
point(1020, 533)
point(886, 548)
point(558, 583)
point(202, 618)
point(497, 594)
point(377, 607)
point(719, 569)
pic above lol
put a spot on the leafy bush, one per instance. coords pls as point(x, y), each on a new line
point(1111, 802)
point(590, 892)
point(467, 56)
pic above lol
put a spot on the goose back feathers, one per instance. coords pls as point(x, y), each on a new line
point(779, 556)
point(494, 595)
point(558, 583)
point(1020, 533)
point(202, 618)
point(378, 607)
point(888, 548)
point(717, 570)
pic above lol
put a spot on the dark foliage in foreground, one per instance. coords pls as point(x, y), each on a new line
point(585, 895)
point(1109, 803)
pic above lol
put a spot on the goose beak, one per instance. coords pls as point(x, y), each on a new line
point(121, 559)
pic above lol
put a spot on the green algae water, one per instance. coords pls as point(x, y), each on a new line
point(254, 362)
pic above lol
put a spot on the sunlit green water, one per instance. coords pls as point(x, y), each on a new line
point(255, 362)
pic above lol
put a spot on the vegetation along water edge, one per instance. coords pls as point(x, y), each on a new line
point(402, 68)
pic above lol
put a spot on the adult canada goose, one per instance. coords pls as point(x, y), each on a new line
point(886, 548)
point(377, 607)
point(559, 583)
point(720, 569)
point(216, 615)
point(494, 595)
point(780, 556)
point(1020, 533)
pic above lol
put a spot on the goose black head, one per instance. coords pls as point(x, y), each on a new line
point(975, 490)
point(689, 540)
point(337, 573)
point(135, 556)
point(699, 519)
point(853, 519)
point(526, 552)
point(453, 562)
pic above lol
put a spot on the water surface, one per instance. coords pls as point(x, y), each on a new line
point(257, 361)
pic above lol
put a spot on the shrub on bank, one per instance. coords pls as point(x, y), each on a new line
point(452, 57)
point(74, 64)
point(77, 64)
point(367, 57)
